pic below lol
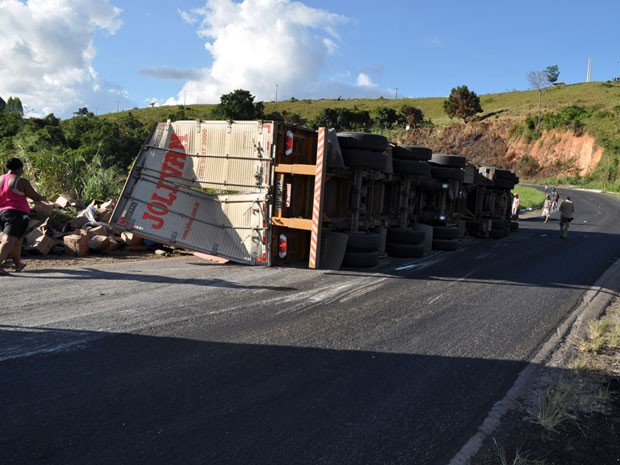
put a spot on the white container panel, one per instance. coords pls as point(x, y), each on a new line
point(159, 203)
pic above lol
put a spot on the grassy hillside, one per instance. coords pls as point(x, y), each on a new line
point(587, 107)
point(86, 155)
point(597, 95)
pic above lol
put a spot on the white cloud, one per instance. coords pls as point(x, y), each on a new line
point(258, 44)
point(46, 54)
point(363, 80)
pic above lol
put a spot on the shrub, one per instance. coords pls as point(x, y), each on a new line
point(101, 183)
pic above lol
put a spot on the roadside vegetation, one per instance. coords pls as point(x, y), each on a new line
point(573, 415)
point(529, 197)
point(88, 156)
point(602, 123)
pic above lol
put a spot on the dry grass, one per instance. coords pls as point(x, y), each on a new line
point(554, 408)
point(518, 459)
point(571, 408)
point(596, 338)
point(585, 389)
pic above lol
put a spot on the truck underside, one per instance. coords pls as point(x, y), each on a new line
point(265, 193)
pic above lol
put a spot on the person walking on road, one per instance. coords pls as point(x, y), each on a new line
point(14, 212)
point(555, 202)
point(567, 208)
point(546, 211)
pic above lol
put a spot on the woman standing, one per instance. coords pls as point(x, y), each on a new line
point(14, 212)
point(516, 206)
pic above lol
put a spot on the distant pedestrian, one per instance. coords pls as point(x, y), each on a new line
point(546, 211)
point(555, 203)
point(567, 209)
point(516, 206)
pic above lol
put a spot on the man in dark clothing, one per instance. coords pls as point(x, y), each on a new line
point(567, 208)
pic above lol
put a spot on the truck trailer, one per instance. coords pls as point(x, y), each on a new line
point(268, 193)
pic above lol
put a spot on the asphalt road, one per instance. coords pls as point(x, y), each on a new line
point(184, 362)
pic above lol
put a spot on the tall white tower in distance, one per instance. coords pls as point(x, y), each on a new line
point(589, 75)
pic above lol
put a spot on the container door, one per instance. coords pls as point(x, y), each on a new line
point(203, 186)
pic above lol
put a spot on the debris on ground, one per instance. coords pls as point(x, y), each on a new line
point(67, 227)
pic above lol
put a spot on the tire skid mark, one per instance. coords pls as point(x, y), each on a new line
point(37, 341)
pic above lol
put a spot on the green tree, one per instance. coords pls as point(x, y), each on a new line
point(2, 104)
point(286, 117)
point(552, 73)
point(414, 117)
point(14, 105)
point(360, 120)
point(83, 112)
point(386, 117)
point(239, 105)
point(130, 135)
point(462, 103)
point(328, 118)
point(343, 119)
point(10, 124)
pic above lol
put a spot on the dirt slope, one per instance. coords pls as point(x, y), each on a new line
point(491, 143)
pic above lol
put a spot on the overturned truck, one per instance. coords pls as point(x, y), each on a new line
point(265, 193)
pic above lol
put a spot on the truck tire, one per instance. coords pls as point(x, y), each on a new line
point(445, 232)
point(362, 141)
point(472, 227)
point(333, 248)
point(412, 152)
point(498, 228)
point(364, 159)
point(447, 173)
point(453, 161)
point(498, 223)
point(405, 236)
point(404, 250)
point(360, 259)
point(445, 244)
point(363, 242)
point(504, 183)
point(411, 168)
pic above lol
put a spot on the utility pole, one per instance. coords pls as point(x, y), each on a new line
point(276, 92)
point(396, 93)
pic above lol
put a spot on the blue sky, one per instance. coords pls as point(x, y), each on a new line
point(61, 55)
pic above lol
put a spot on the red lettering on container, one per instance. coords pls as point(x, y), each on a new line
point(166, 194)
point(158, 222)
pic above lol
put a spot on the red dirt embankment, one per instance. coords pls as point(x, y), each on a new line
point(492, 143)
